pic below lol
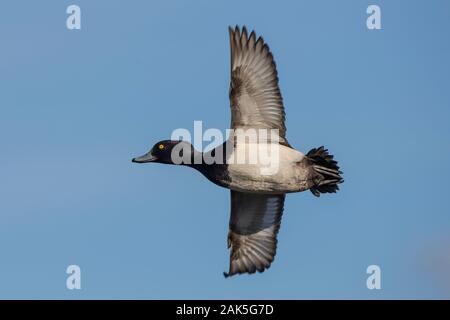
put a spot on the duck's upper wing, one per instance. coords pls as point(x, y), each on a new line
point(255, 97)
point(252, 236)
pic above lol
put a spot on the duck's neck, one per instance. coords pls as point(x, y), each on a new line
point(214, 170)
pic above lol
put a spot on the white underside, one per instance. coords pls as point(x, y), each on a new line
point(267, 168)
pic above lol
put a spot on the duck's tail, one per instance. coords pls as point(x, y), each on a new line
point(327, 175)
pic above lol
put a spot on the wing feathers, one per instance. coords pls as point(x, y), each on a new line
point(254, 224)
point(255, 97)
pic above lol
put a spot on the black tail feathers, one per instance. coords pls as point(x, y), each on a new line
point(327, 175)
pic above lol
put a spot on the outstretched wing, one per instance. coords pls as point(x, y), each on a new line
point(255, 97)
point(252, 236)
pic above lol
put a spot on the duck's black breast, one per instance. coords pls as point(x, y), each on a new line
point(216, 172)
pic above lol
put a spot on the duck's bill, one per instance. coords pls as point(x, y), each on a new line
point(145, 158)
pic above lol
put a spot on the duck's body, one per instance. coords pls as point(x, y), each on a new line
point(288, 172)
point(258, 172)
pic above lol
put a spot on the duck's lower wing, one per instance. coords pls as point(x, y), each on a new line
point(252, 236)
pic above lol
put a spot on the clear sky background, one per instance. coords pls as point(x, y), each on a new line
point(76, 106)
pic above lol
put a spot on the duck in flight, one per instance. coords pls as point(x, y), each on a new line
point(257, 199)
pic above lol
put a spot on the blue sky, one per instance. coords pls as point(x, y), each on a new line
point(76, 106)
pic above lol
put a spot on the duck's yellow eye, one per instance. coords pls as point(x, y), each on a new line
point(161, 146)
